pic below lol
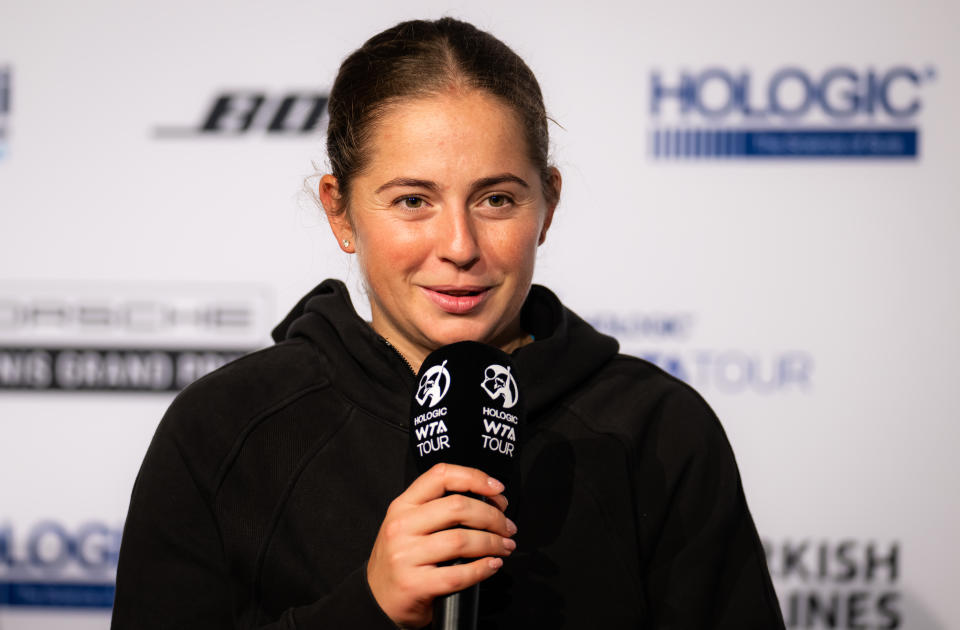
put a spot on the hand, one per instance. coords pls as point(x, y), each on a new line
point(415, 536)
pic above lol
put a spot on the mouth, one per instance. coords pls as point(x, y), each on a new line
point(459, 292)
point(457, 300)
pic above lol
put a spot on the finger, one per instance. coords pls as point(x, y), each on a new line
point(454, 510)
point(446, 580)
point(458, 542)
point(498, 500)
point(444, 478)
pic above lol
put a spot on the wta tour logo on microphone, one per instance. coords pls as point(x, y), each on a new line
point(467, 409)
point(497, 382)
point(434, 385)
point(431, 431)
point(500, 427)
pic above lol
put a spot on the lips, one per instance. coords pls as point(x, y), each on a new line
point(456, 300)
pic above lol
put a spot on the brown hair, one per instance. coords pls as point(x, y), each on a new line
point(422, 58)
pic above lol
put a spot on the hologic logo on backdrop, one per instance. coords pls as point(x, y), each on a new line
point(247, 112)
point(51, 564)
point(841, 112)
point(5, 88)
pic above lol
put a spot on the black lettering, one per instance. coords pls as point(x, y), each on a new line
point(4, 91)
point(226, 110)
point(793, 610)
point(277, 123)
point(844, 559)
point(793, 560)
point(313, 105)
point(890, 560)
point(887, 607)
point(855, 610)
point(822, 612)
point(823, 561)
point(316, 113)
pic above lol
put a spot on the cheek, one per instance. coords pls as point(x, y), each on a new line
point(515, 247)
point(387, 249)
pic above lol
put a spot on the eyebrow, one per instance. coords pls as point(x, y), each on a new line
point(477, 184)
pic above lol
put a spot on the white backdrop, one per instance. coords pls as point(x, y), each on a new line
point(810, 296)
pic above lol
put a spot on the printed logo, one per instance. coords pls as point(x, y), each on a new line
point(242, 112)
point(5, 83)
point(848, 583)
point(667, 340)
point(841, 112)
point(53, 564)
point(152, 337)
point(434, 385)
point(497, 382)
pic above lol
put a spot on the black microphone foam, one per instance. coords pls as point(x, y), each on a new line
point(467, 410)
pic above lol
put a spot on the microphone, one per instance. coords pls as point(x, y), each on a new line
point(467, 410)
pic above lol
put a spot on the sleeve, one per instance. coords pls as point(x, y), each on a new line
point(705, 566)
point(172, 573)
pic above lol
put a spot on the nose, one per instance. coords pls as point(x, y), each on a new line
point(457, 238)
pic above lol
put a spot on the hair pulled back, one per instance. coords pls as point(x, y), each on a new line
point(422, 58)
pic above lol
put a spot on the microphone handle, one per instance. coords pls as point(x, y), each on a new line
point(457, 611)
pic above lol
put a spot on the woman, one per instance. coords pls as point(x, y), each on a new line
point(279, 491)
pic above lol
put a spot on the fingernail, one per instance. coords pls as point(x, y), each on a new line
point(510, 544)
point(495, 563)
point(496, 485)
point(511, 527)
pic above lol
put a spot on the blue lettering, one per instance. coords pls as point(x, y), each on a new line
point(850, 101)
point(895, 74)
point(791, 92)
point(685, 92)
point(774, 95)
point(735, 372)
point(796, 369)
point(49, 546)
point(96, 546)
point(733, 90)
point(6, 545)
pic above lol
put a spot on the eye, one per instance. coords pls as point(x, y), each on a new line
point(498, 201)
point(411, 203)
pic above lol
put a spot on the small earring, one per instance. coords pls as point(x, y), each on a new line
point(346, 243)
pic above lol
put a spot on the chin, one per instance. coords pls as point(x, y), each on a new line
point(442, 334)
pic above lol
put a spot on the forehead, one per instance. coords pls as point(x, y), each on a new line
point(450, 132)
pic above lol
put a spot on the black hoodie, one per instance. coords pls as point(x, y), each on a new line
point(263, 489)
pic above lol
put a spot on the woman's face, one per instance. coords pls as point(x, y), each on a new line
point(445, 219)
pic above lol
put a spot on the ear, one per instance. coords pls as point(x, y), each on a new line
point(336, 212)
point(556, 182)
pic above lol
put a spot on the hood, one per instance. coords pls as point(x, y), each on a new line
point(566, 351)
